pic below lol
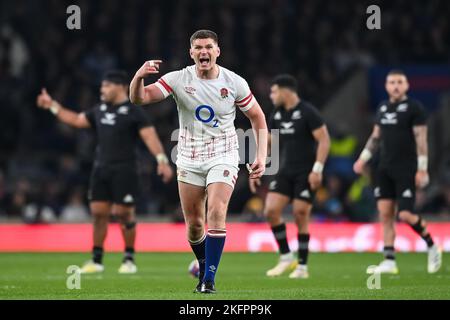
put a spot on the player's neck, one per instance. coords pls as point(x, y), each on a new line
point(402, 98)
point(212, 73)
point(121, 99)
point(291, 103)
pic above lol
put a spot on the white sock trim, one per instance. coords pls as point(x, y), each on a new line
point(194, 242)
point(221, 233)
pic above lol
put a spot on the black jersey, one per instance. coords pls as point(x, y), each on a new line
point(117, 128)
point(396, 120)
point(297, 143)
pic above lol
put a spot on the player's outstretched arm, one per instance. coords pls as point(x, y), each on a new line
point(259, 126)
point(77, 120)
point(323, 148)
point(154, 145)
point(370, 148)
point(140, 94)
point(420, 134)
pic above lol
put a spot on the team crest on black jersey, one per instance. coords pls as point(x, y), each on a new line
point(123, 110)
point(402, 107)
point(224, 93)
point(296, 115)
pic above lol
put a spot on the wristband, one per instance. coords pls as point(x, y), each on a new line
point(366, 155)
point(161, 158)
point(54, 108)
point(318, 167)
point(422, 163)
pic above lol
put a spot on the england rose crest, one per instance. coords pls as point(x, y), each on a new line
point(224, 93)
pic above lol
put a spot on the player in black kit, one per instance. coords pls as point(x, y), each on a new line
point(401, 132)
point(113, 185)
point(304, 147)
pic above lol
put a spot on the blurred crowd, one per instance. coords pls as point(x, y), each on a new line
point(45, 165)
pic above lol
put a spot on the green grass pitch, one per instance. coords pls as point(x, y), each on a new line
point(240, 276)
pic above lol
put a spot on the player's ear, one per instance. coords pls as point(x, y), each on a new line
point(218, 51)
point(191, 53)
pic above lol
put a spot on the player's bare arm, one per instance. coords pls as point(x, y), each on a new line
point(255, 183)
point(259, 126)
point(153, 143)
point(140, 94)
point(420, 134)
point(77, 120)
point(371, 147)
point(323, 147)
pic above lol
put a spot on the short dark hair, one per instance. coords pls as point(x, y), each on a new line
point(204, 34)
point(396, 72)
point(286, 81)
point(116, 76)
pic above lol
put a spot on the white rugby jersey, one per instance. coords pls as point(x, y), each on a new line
point(207, 109)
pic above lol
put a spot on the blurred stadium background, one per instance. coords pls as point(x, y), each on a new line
point(340, 65)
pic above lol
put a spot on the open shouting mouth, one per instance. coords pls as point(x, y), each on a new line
point(204, 61)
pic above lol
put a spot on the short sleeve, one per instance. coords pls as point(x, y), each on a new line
point(141, 118)
point(419, 116)
point(271, 120)
point(314, 119)
point(378, 114)
point(168, 82)
point(90, 116)
point(244, 97)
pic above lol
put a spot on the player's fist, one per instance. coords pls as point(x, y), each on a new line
point(44, 100)
point(165, 171)
point(315, 180)
point(358, 166)
point(254, 184)
point(256, 170)
point(148, 68)
point(422, 179)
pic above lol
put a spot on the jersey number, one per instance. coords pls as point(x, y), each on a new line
point(208, 119)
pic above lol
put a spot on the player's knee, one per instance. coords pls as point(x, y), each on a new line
point(127, 221)
point(217, 208)
point(272, 215)
point(301, 213)
point(195, 227)
point(100, 218)
point(386, 217)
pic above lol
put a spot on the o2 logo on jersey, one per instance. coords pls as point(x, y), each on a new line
point(206, 114)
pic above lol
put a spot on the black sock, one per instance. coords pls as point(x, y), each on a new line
point(389, 252)
point(428, 240)
point(303, 242)
point(198, 248)
point(129, 254)
point(280, 236)
point(419, 229)
point(97, 254)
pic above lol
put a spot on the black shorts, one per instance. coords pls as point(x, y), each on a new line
point(116, 183)
point(396, 184)
point(295, 186)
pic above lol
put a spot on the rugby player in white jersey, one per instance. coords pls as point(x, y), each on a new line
point(207, 96)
